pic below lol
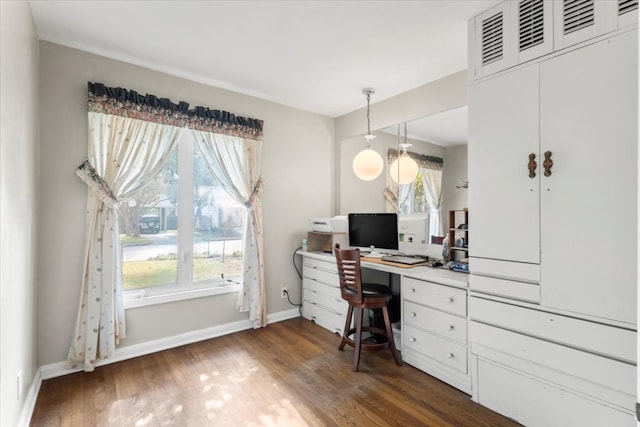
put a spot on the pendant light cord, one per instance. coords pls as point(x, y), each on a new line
point(368, 115)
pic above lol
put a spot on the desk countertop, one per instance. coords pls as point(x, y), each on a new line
point(440, 275)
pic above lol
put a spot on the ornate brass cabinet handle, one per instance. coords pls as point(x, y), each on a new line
point(548, 163)
point(532, 165)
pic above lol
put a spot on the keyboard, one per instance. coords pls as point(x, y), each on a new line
point(401, 259)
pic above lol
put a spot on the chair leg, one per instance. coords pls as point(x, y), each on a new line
point(347, 327)
point(392, 344)
point(357, 339)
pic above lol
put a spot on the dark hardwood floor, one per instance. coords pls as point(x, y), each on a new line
point(288, 374)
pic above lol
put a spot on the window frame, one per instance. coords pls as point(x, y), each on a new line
point(184, 288)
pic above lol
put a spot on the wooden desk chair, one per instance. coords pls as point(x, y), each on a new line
point(361, 296)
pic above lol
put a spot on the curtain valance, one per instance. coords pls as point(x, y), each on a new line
point(423, 160)
point(129, 103)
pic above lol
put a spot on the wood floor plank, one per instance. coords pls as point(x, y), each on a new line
point(290, 373)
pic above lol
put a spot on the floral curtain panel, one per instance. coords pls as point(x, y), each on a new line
point(130, 138)
point(235, 162)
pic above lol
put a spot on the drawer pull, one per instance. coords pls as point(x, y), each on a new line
point(450, 356)
point(412, 339)
point(413, 290)
point(451, 300)
point(451, 327)
point(413, 314)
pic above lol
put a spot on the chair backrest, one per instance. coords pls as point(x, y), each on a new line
point(348, 261)
point(437, 240)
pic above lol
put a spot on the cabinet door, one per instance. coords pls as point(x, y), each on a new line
point(589, 118)
point(533, 28)
point(493, 41)
point(580, 20)
point(503, 200)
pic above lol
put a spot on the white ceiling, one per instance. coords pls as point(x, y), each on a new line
point(311, 55)
point(448, 128)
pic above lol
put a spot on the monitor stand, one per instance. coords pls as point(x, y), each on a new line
point(373, 253)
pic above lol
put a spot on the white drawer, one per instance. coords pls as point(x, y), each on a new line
point(505, 288)
point(327, 319)
point(445, 298)
point(322, 276)
point(535, 402)
point(442, 350)
point(582, 334)
point(335, 304)
point(320, 287)
point(505, 269)
point(587, 373)
point(438, 322)
point(328, 265)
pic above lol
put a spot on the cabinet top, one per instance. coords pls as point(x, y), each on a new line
point(442, 276)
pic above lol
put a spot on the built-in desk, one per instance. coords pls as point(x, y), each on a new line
point(433, 313)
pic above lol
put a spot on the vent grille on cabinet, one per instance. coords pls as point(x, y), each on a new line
point(578, 14)
point(531, 23)
point(625, 6)
point(492, 39)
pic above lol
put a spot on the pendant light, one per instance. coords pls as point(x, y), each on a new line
point(368, 164)
point(404, 169)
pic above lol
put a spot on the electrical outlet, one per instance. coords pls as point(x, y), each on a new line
point(283, 292)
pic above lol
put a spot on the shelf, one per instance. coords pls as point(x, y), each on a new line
point(457, 218)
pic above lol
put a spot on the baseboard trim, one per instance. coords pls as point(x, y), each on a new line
point(123, 353)
point(29, 403)
point(283, 315)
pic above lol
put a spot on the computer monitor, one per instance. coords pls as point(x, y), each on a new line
point(374, 231)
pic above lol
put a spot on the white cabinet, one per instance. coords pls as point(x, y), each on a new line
point(510, 33)
point(321, 299)
point(580, 107)
point(503, 132)
point(434, 330)
point(554, 362)
point(588, 120)
point(492, 43)
point(514, 32)
point(580, 20)
point(553, 175)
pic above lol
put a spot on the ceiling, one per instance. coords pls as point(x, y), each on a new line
point(448, 128)
point(315, 56)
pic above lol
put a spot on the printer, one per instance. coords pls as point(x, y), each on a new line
point(337, 224)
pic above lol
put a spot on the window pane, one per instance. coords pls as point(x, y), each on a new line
point(412, 197)
point(149, 231)
point(217, 228)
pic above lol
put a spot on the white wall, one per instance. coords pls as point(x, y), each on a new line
point(454, 172)
point(297, 166)
point(18, 206)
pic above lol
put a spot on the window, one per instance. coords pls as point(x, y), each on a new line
point(182, 234)
point(412, 197)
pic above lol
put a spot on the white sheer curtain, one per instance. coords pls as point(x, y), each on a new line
point(235, 162)
point(406, 194)
point(432, 180)
point(124, 155)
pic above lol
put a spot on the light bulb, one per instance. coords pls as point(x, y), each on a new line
point(368, 164)
point(408, 170)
